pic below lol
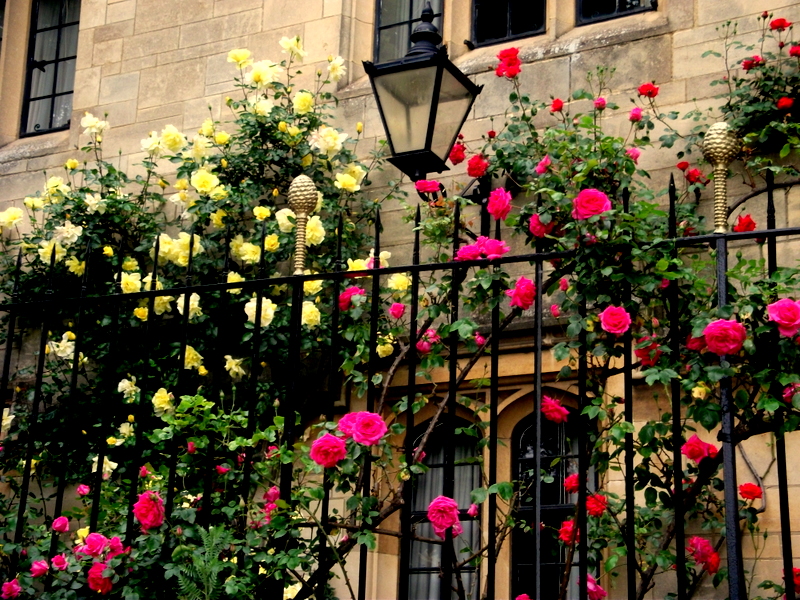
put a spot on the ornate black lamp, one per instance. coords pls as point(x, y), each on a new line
point(423, 99)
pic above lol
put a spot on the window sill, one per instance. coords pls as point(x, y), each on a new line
point(34, 147)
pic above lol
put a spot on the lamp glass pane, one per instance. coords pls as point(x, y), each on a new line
point(454, 102)
point(405, 98)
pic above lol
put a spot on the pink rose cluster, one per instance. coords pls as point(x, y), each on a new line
point(703, 553)
point(483, 247)
point(427, 340)
point(427, 186)
point(328, 450)
point(523, 293)
point(366, 428)
point(593, 589)
point(271, 497)
point(696, 449)
point(443, 514)
point(539, 229)
point(786, 313)
point(346, 297)
point(588, 203)
point(149, 510)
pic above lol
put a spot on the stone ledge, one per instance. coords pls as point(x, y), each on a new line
point(34, 147)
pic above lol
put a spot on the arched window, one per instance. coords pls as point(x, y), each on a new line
point(559, 459)
point(426, 557)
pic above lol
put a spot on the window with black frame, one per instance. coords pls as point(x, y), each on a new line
point(496, 21)
point(50, 77)
point(426, 557)
point(396, 20)
point(559, 459)
point(591, 11)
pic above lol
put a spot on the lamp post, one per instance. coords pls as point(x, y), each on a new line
point(423, 100)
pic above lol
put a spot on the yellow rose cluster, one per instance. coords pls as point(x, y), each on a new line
point(176, 250)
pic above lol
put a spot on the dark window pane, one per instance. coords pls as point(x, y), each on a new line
point(49, 13)
point(62, 110)
point(2, 17)
point(39, 115)
point(393, 43)
point(598, 10)
point(496, 20)
point(394, 11)
point(45, 46)
point(69, 42)
point(526, 18)
point(42, 80)
point(66, 76)
point(396, 21)
point(73, 11)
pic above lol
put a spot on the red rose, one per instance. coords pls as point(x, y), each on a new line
point(557, 105)
point(222, 469)
point(696, 176)
point(615, 319)
point(700, 549)
point(600, 103)
point(785, 103)
point(696, 449)
point(509, 63)
point(753, 61)
point(683, 165)
point(555, 310)
point(649, 354)
point(779, 24)
point(695, 343)
point(427, 186)
point(569, 533)
point(712, 564)
point(588, 203)
point(796, 579)
point(523, 293)
point(458, 154)
point(97, 581)
point(541, 167)
point(328, 450)
point(786, 313)
point(795, 51)
point(563, 284)
point(648, 89)
point(634, 153)
point(596, 504)
point(790, 391)
point(191, 447)
point(744, 223)
point(725, 336)
point(443, 514)
point(346, 296)
point(368, 428)
point(149, 510)
point(477, 165)
point(750, 491)
point(572, 483)
point(539, 229)
point(499, 204)
point(553, 411)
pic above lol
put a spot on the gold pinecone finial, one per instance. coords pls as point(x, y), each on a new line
point(302, 200)
point(720, 148)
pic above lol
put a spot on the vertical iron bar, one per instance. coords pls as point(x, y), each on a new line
point(630, 499)
point(583, 462)
point(736, 586)
point(494, 398)
point(675, 396)
point(12, 325)
point(537, 420)
point(410, 451)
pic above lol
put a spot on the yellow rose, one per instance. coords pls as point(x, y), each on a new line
point(284, 224)
point(268, 308)
point(303, 102)
point(130, 264)
point(234, 277)
point(207, 128)
point(80, 534)
point(11, 216)
point(398, 282)
point(283, 127)
point(202, 371)
point(356, 172)
point(172, 139)
point(217, 218)
point(131, 282)
point(75, 266)
point(140, 313)
point(261, 213)
point(240, 56)
point(358, 264)
point(47, 248)
point(249, 253)
point(33, 202)
point(221, 138)
point(315, 232)
point(182, 184)
point(293, 131)
point(131, 419)
point(313, 287)
point(385, 350)
point(111, 441)
point(336, 68)
point(193, 359)
point(700, 392)
point(307, 160)
point(311, 315)
point(71, 164)
point(272, 243)
point(108, 251)
point(194, 306)
point(263, 73)
point(359, 127)
point(234, 367)
point(293, 46)
point(218, 193)
point(162, 402)
point(346, 182)
point(162, 304)
point(203, 181)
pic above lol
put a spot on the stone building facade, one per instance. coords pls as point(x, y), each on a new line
point(149, 63)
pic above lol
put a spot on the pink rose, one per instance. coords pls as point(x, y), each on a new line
point(700, 549)
point(143, 472)
point(790, 391)
point(427, 340)
point(596, 504)
point(472, 511)
point(347, 295)
point(272, 494)
point(555, 310)
point(443, 514)
point(563, 284)
point(553, 411)
point(541, 168)
point(39, 568)
point(222, 469)
point(346, 424)
point(588, 203)
point(600, 103)
point(479, 339)
point(427, 186)
point(539, 229)
point(593, 589)
point(493, 248)
point(149, 510)
point(369, 428)
point(523, 293)
point(468, 252)
point(328, 450)
point(11, 589)
point(786, 313)
point(725, 336)
point(114, 548)
point(523, 597)
point(83, 490)
point(61, 524)
point(635, 115)
point(60, 562)
point(499, 204)
point(615, 319)
point(97, 581)
point(191, 447)
point(634, 153)
point(477, 165)
point(94, 545)
point(397, 310)
point(696, 449)
point(695, 343)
